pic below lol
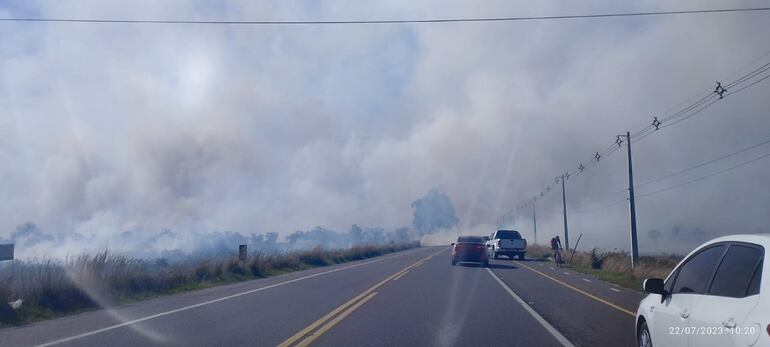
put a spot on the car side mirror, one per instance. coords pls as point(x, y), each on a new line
point(452, 244)
point(653, 286)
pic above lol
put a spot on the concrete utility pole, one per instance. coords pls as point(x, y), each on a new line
point(534, 220)
point(632, 205)
point(564, 205)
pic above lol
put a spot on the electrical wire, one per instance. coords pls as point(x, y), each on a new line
point(691, 114)
point(680, 184)
point(704, 177)
point(702, 164)
point(602, 207)
point(757, 71)
point(601, 198)
point(706, 100)
point(381, 21)
point(711, 161)
point(749, 85)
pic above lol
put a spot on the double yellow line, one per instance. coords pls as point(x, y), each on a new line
point(313, 331)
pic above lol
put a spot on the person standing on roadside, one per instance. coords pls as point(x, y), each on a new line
point(556, 248)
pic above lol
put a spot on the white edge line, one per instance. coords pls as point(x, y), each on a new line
point(587, 280)
point(185, 308)
point(613, 289)
point(556, 334)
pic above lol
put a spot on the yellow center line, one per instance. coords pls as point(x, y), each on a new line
point(344, 309)
point(400, 275)
point(333, 322)
point(632, 314)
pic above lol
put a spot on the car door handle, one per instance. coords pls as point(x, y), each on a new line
point(730, 324)
point(684, 314)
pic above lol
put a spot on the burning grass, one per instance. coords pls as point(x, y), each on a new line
point(51, 288)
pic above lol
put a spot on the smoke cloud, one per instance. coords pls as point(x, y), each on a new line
point(161, 135)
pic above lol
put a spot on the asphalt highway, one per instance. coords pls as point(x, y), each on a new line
point(411, 298)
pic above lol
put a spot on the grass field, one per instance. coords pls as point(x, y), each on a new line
point(50, 288)
point(613, 267)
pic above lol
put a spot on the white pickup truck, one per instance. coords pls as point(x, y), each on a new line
point(508, 243)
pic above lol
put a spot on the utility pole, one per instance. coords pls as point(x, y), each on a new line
point(534, 220)
point(564, 206)
point(632, 205)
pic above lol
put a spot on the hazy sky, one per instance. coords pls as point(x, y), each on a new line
point(112, 127)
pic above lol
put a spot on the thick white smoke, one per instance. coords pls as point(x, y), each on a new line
point(106, 129)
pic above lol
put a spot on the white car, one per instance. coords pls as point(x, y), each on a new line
point(716, 296)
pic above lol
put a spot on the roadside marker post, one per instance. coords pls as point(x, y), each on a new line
point(242, 253)
point(6, 251)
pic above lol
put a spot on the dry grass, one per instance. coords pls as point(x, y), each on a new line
point(52, 288)
point(614, 266)
point(538, 252)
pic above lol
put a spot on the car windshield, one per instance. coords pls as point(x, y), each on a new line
point(383, 173)
point(508, 234)
point(470, 239)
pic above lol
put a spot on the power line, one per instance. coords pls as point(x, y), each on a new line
point(706, 100)
point(757, 71)
point(749, 85)
point(599, 199)
point(384, 21)
point(711, 161)
point(738, 71)
point(705, 106)
point(700, 101)
point(685, 113)
point(703, 164)
point(705, 177)
point(603, 207)
point(681, 184)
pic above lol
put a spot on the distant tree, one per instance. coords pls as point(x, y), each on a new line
point(28, 235)
point(271, 238)
point(432, 212)
point(400, 235)
point(314, 238)
point(356, 234)
point(374, 235)
point(257, 240)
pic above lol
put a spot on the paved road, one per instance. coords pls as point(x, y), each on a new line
point(412, 298)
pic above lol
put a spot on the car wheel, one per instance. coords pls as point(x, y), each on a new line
point(486, 263)
point(454, 262)
point(643, 338)
point(521, 257)
point(494, 255)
